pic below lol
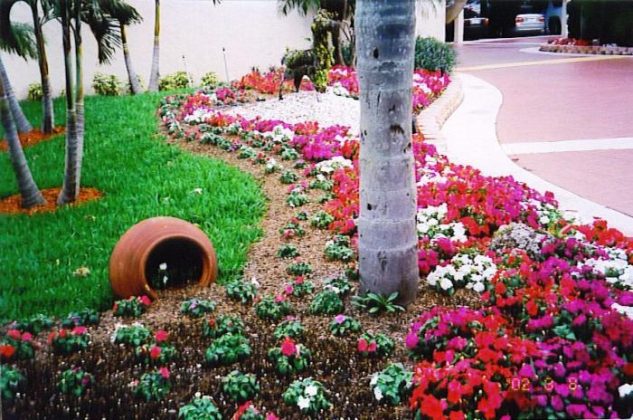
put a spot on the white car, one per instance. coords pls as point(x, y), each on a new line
point(529, 23)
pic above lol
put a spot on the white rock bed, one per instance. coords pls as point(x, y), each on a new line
point(328, 109)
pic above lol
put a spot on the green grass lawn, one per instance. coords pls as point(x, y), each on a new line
point(141, 176)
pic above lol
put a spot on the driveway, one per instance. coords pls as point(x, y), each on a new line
point(565, 118)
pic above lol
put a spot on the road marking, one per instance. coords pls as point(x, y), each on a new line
point(524, 148)
point(542, 62)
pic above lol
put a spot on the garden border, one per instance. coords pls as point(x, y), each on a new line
point(430, 120)
point(586, 49)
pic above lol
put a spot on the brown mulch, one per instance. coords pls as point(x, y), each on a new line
point(33, 137)
point(13, 203)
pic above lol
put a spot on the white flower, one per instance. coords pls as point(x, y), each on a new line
point(445, 283)
point(624, 310)
point(197, 191)
point(544, 220)
point(198, 394)
point(303, 402)
point(255, 282)
point(478, 287)
point(378, 393)
point(163, 266)
point(311, 390)
point(625, 390)
point(374, 379)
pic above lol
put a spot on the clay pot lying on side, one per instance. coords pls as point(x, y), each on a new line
point(161, 252)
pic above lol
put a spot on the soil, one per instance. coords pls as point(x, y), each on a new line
point(32, 138)
point(13, 203)
point(335, 361)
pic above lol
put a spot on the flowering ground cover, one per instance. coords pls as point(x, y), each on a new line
point(522, 312)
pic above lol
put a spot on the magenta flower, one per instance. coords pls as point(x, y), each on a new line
point(412, 340)
point(340, 318)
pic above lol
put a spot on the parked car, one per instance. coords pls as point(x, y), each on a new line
point(529, 23)
point(475, 26)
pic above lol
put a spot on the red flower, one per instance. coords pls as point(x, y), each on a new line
point(456, 415)
point(14, 334)
point(432, 407)
point(299, 280)
point(145, 300)
point(7, 351)
point(362, 345)
point(161, 335)
point(155, 352)
point(288, 347)
point(27, 336)
point(372, 347)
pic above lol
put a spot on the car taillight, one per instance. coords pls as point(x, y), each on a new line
point(541, 19)
point(485, 21)
point(518, 19)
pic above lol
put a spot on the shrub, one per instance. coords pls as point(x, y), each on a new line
point(75, 381)
point(174, 81)
point(227, 349)
point(393, 384)
point(201, 407)
point(106, 84)
point(289, 328)
point(35, 92)
point(242, 291)
point(209, 79)
point(240, 387)
point(433, 55)
point(153, 386)
point(327, 303)
point(11, 380)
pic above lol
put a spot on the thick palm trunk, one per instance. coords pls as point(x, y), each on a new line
point(48, 116)
point(155, 74)
point(21, 123)
point(72, 170)
point(134, 86)
point(387, 236)
point(31, 195)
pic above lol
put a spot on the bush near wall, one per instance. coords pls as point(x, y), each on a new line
point(608, 22)
point(433, 55)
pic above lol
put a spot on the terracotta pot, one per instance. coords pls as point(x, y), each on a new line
point(148, 243)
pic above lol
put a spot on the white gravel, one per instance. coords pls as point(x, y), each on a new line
point(328, 109)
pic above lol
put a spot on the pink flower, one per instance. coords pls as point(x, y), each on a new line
point(146, 301)
point(164, 372)
point(412, 340)
point(289, 289)
point(280, 298)
point(340, 318)
point(27, 336)
point(14, 334)
point(372, 347)
point(299, 280)
point(161, 335)
point(288, 347)
point(271, 416)
point(80, 330)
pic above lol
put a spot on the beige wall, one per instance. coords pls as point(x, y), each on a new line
point(253, 32)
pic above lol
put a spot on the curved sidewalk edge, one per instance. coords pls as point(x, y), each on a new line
point(471, 139)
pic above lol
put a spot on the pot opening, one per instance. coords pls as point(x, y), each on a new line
point(174, 262)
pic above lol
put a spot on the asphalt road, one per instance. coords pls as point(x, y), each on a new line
point(552, 99)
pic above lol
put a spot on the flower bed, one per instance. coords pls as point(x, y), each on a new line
point(582, 46)
point(544, 336)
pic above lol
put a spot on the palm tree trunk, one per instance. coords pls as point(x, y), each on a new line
point(134, 86)
point(48, 116)
point(387, 232)
point(72, 170)
point(155, 74)
point(22, 124)
point(31, 195)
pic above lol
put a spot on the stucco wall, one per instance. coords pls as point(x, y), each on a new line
point(193, 33)
point(253, 32)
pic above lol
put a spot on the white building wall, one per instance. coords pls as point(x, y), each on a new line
point(193, 33)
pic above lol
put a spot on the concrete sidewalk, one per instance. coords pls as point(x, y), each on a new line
point(471, 138)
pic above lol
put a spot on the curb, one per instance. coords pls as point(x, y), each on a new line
point(430, 121)
point(586, 49)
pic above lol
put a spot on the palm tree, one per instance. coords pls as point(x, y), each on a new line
point(124, 15)
point(30, 193)
point(71, 14)
point(48, 119)
point(23, 45)
point(154, 73)
point(387, 246)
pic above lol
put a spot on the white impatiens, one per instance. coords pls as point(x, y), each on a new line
point(465, 270)
point(616, 270)
point(327, 167)
point(279, 134)
point(429, 224)
point(198, 116)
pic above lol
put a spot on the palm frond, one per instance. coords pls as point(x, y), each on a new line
point(21, 41)
point(303, 6)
